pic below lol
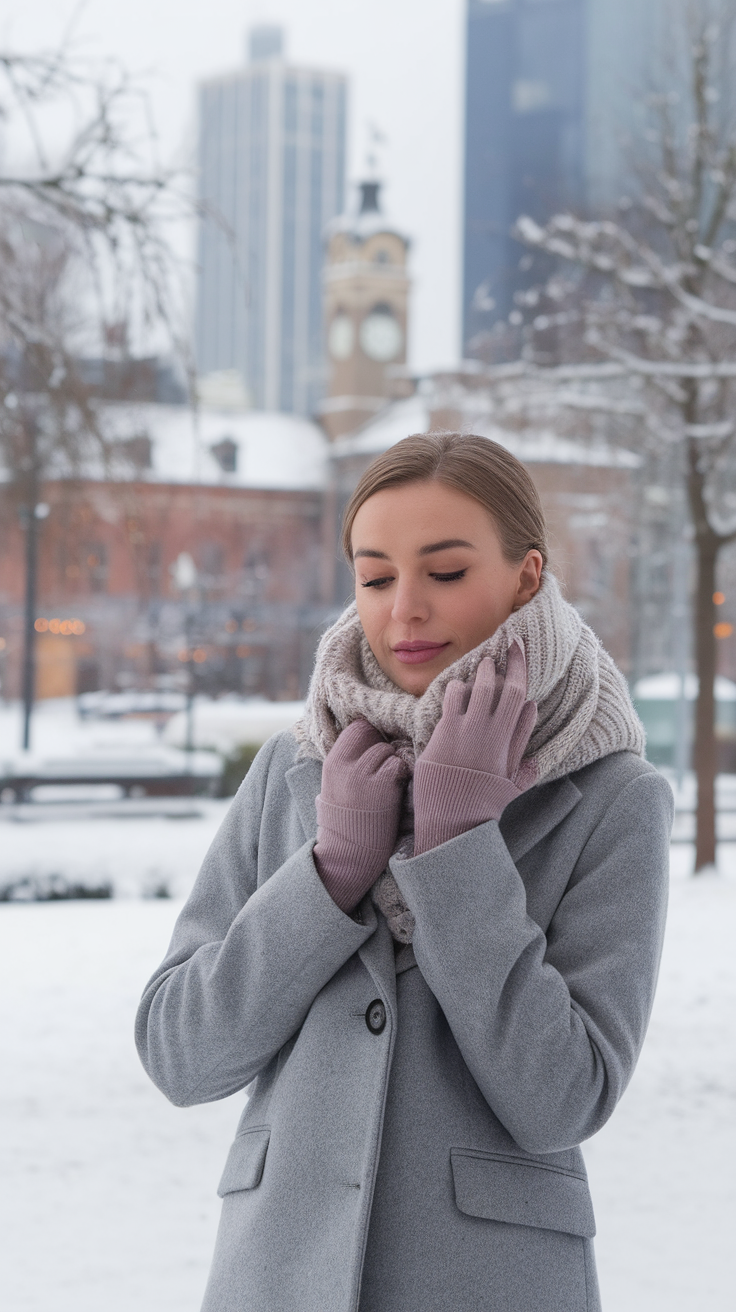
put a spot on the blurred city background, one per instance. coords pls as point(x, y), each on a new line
point(244, 249)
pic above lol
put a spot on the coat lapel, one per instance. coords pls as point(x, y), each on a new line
point(305, 781)
point(529, 818)
point(378, 956)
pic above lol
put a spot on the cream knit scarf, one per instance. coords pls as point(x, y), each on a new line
point(584, 707)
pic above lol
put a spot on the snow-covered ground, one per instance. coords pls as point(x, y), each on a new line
point(135, 845)
point(140, 848)
point(663, 1171)
point(108, 1197)
point(58, 730)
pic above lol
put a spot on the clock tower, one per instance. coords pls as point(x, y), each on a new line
point(366, 294)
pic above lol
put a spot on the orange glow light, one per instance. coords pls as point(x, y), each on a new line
point(3, 644)
point(182, 655)
point(231, 626)
point(65, 627)
point(719, 598)
point(242, 651)
point(199, 655)
point(723, 630)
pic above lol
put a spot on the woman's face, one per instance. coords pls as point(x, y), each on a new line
point(431, 581)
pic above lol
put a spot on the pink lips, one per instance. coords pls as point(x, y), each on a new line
point(416, 653)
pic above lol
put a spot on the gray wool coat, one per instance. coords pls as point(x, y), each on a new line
point(410, 1143)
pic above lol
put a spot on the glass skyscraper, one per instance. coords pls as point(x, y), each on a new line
point(271, 176)
point(553, 101)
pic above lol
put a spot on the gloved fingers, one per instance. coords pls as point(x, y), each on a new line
point(354, 741)
point(513, 693)
point(516, 665)
point(373, 761)
point(482, 695)
point(456, 699)
point(526, 775)
point(520, 737)
point(347, 774)
point(392, 769)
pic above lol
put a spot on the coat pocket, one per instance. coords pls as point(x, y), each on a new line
point(498, 1187)
point(245, 1161)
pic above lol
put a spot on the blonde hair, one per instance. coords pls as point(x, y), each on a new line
point(474, 465)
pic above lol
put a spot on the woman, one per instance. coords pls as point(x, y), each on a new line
point(429, 927)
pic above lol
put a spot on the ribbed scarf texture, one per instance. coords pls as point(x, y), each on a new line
point(584, 708)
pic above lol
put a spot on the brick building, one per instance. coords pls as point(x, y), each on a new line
point(239, 497)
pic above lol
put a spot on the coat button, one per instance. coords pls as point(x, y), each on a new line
point(375, 1017)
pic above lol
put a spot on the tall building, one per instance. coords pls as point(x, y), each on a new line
point(271, 176)
point(554, 95)
point(366, 296)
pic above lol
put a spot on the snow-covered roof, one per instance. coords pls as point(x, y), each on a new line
point(531, 445)
point(270, 450)
point(362, 226)
point(399, 419)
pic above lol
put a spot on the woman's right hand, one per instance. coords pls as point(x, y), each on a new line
point(358, 812)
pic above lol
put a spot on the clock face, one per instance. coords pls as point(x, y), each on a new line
point(381, 336)
point(341, 337)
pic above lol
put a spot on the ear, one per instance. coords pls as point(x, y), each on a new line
point(530, 578)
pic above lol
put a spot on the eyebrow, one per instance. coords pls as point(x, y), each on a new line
point(445, 546)
point(423, 551)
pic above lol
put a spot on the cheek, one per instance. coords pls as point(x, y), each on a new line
point(371, 610)
point(481, 609)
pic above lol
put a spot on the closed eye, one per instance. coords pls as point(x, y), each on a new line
point(377, 583)
point(449, 578)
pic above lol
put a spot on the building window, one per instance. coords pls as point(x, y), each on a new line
point(226, 454)
point(256, 570)
point(212, 561)
point(95, 566)
point(528, 96)
point(155, 558)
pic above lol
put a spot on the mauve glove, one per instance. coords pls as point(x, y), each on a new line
point(471, 768)
point(358, 812)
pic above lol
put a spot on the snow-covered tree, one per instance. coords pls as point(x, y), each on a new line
point(650, 294)
point(85, 263)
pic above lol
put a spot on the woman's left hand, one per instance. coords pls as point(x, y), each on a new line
point(472, 766)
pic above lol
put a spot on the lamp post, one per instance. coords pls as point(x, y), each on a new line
point(32, 514)
point(185, 577)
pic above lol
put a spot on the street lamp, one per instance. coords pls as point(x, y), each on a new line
point(185, 579)
point(30, 520)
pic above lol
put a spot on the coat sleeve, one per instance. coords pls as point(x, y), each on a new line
point(245, 963)
point(550, 1026)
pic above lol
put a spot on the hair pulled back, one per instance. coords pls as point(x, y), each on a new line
point(477, 466)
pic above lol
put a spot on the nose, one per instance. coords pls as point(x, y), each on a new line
point(410, 603)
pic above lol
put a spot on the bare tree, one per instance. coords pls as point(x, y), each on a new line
point(84, 259)
point(652, 293)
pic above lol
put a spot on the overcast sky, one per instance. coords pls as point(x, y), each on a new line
point(405, 63)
